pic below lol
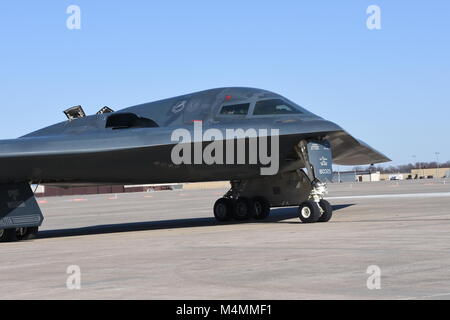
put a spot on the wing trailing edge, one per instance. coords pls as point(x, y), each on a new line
point(349, 151)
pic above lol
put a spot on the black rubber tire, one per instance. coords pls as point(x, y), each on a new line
point(243, 209)
point(261, 208)
point(327, 211)
point(309, 212)
point(223, 210)
point(8, 235)
point(30, 233)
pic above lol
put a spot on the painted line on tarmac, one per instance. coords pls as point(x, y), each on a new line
point(406, 195)
point(77, 200)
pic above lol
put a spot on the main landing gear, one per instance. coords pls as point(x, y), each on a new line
point(288, 189)
point(233, 206)
point(316, 209)
point(241, 209)
point(304, 187)
point(17, 234)
point(20, 215)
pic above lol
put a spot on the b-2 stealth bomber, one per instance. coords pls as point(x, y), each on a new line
point(273, 151)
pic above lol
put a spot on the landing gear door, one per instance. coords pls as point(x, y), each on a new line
point(18, 207)
point(321, 158)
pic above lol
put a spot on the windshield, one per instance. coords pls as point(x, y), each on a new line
point(274, 106)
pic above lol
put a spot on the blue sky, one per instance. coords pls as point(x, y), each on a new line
point(389, 87)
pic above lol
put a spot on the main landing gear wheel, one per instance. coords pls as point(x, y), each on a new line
point(27, 233)
point(327, 211)
point(17, 234)
point(223, 209)
point(261, 208)
point(309, 212)
point(243, 209)
point(8, 235)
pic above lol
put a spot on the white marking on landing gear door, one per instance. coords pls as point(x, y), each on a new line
point(6, 221)
point(323, 161)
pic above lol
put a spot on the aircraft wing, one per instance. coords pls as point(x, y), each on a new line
point(349, 151)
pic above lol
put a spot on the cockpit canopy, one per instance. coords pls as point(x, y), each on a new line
point(265, 107)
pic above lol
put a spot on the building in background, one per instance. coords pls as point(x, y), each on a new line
point(51, 191)
point(368, 176)
point(430, 173)
point(356, 176)
point(346, 176)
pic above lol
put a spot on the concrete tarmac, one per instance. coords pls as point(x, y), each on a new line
point(167, 245)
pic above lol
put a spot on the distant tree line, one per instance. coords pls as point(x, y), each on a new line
point(403, 168)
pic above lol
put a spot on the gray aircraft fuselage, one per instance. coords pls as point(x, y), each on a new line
point(89, 151)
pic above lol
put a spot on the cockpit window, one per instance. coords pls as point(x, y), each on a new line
point(274, 106)
point(235, 109)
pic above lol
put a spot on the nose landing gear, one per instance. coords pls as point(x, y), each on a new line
point(311, 211)
point(327, 211)
point(317, 158)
